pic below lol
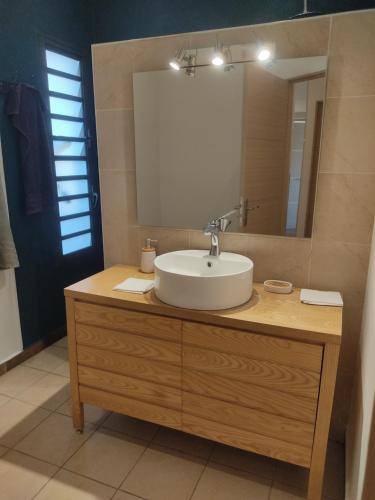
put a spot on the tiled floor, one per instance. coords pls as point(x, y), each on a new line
point(120, 458)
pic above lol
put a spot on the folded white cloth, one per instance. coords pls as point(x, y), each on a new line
point(135, 285)
point(319, 298)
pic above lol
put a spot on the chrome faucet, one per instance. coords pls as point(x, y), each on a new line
point(213, 229)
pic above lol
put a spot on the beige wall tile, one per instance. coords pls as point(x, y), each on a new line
point(155, 54)
point(168, 239)
point(115, 133)
point(118, 198)
point(112, 68)
point(54, 440)
point(303, 38)
point(66, 485)
point(220, 483)
point(351, 59)
point(340, 266)
point(348, 144)
point(345, 208)
point(22, 476)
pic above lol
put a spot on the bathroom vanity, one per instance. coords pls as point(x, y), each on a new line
point(259, 377)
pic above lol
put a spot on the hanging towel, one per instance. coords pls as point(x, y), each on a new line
point(28, 113)
point(8, 254)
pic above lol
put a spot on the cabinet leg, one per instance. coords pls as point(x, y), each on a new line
point(316, 483)
point(78, 416)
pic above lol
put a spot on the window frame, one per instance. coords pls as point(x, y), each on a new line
point(62, 49)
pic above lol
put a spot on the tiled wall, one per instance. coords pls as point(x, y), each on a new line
point(336, 257)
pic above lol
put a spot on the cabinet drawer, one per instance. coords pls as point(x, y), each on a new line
point(130, 387)
point(250, 396)
point(128, 343)
point(150, 325)
point(248, 419)
point(123, 364)
point(258, 347)
point(250, 441)
point(252, 371)
point(133, 408)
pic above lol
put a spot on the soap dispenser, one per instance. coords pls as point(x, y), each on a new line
point(148, 256)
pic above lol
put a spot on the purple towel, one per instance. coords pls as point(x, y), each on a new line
point(28, 112)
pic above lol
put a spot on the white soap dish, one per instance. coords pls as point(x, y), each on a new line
point(278, 286)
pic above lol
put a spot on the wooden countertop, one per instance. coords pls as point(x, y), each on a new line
point(266, 312)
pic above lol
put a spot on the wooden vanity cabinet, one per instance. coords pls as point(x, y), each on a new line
point(269, 392)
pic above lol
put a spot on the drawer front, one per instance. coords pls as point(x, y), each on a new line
point(239, 438)
point(248, 419)
point(252, 371)
point(259, 347)
point(250, 396)
point(132, 407)
point(113, 318)
point(130, 387)
point(128, 343)
point(123, 364)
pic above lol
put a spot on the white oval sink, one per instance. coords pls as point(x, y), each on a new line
point(193, 279)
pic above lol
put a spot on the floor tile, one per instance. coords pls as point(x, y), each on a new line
point(21, 477)
point(122, 495)
point(63, 369)
point(63, 342)
point(93, 414)
point(54, 440)
point(48, 360)
point(107, 456)
point(244, 460)
point(3, 399)
point(68, 486)
point(164, 474)
point(131, 426)
point(222, 483)
point(49, 392)
point(282, 491)
point(17, 419)
point(18, 379)
point(187, 443)
point(3, 450)
point(293, 475)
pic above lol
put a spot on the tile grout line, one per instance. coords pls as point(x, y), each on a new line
point(203, 471)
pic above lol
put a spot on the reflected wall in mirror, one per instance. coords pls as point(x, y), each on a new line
point(248, 133)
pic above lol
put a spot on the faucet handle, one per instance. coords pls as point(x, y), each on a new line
point(224, 224)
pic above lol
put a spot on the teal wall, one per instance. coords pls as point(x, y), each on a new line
point(121, 19)
point(24, 24)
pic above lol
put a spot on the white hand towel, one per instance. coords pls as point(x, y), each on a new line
point(135, 285)
point(320, 298)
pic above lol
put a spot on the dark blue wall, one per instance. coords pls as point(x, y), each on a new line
point(24, 25)
point(121, 19)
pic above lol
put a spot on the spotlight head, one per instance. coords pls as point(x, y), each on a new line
point(177, 61)
point(263, 54)
point(218, 57)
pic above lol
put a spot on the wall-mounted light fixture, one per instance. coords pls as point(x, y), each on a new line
point(178, 60)
point(263, 54)
point(218, 57)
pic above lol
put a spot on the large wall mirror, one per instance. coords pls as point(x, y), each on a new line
point(211, 139)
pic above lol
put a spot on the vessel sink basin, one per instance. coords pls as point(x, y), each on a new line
point(193, 279)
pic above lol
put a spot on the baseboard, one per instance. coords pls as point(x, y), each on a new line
point(33, 349)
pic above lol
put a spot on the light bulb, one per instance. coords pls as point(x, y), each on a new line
point(264, 54)
point(174, 64)
point(177, 61)
point(218, 59)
